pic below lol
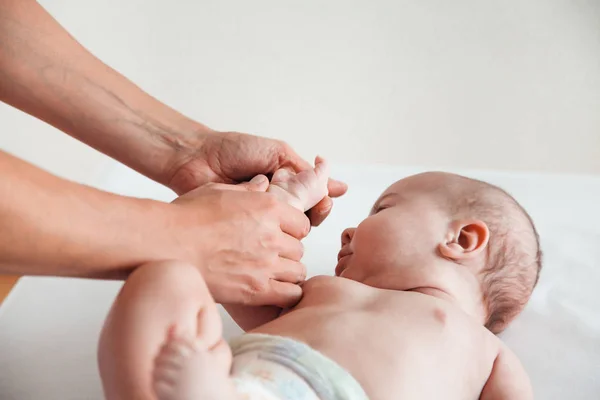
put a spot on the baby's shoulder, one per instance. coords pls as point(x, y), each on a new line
point(492, 343)
point(320, 279)
point(327, 280)
point(333, 290)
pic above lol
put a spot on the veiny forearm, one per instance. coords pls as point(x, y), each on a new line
point(50, 226)
point(47, 73)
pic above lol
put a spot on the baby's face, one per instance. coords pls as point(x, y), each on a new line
point(392, 246)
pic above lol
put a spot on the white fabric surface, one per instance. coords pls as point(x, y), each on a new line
point(49, 327)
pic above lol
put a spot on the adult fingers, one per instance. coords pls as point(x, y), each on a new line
point(290, 247)
point(318, 213)
point(282, 294)
point(289, 271)
point(223, 186)
point(292, 221)
point(259, 183)
point(336, 188)
point(290, 160)
point(321, 211)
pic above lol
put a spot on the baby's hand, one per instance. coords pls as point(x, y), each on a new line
point(303, 190)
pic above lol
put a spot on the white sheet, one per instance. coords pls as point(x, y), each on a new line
point(49, 327)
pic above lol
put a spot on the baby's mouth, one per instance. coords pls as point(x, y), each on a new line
point(344, 252)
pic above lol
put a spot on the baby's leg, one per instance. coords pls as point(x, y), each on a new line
point(303, 190)
point(186, 370)
point(157, 297)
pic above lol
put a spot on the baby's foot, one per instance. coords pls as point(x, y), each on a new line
point(303, 190)
point(184, 370)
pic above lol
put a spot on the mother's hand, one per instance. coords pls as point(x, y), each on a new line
point(231, 157)
point(245, 242)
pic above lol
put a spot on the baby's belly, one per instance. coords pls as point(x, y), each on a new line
point(397, 352)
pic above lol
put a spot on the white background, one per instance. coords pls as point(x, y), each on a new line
point(511, 85)
point(469, 83)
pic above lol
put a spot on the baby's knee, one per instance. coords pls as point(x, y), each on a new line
point(167, 276)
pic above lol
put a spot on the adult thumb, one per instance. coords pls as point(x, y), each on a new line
point(259, 183)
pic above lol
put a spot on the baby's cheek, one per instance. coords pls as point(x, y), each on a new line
point(383, 247)
point(370, 247)
point(374, 231)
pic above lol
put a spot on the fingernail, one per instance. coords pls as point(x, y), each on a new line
point(259, 179)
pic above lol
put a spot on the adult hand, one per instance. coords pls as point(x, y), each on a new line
point(247, 243)
point(102, 108)
point(231, 157)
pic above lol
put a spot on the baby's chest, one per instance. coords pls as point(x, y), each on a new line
point(418, 318)
point(428, 340)
point(381, 347)
point(416, 323)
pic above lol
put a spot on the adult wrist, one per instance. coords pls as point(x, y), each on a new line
point(160, 225)
point(188, 167)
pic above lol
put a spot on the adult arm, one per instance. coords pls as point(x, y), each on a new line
point(48, 74)
point(50, 226)
point(243, 240)
point(45, 72)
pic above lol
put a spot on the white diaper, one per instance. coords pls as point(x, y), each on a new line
point(269, 367)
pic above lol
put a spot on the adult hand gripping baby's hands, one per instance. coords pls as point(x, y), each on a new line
point(232, 157)
point(245, 242)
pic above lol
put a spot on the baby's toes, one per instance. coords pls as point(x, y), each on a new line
point(164, 383)
point(169, 359)
point(176, 349)
point(164, 379)
point(168, 364)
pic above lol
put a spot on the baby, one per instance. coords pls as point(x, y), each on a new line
point(440, 265)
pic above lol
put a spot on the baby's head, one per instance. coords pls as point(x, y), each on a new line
point(466, 240)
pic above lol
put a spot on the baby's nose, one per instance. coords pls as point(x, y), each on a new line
point(347, 235)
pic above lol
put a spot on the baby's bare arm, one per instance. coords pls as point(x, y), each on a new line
point(508, 380)
point(251, 317)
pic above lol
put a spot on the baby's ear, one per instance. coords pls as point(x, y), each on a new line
point(465, 239)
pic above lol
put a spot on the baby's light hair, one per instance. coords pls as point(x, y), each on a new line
point(514, 257)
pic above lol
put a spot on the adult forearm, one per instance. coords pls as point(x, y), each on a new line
point(48, 74)
point(50, 226)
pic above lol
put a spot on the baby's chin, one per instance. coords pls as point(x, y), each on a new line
point(349, 273)
point(343, 270)
point(340, 268)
